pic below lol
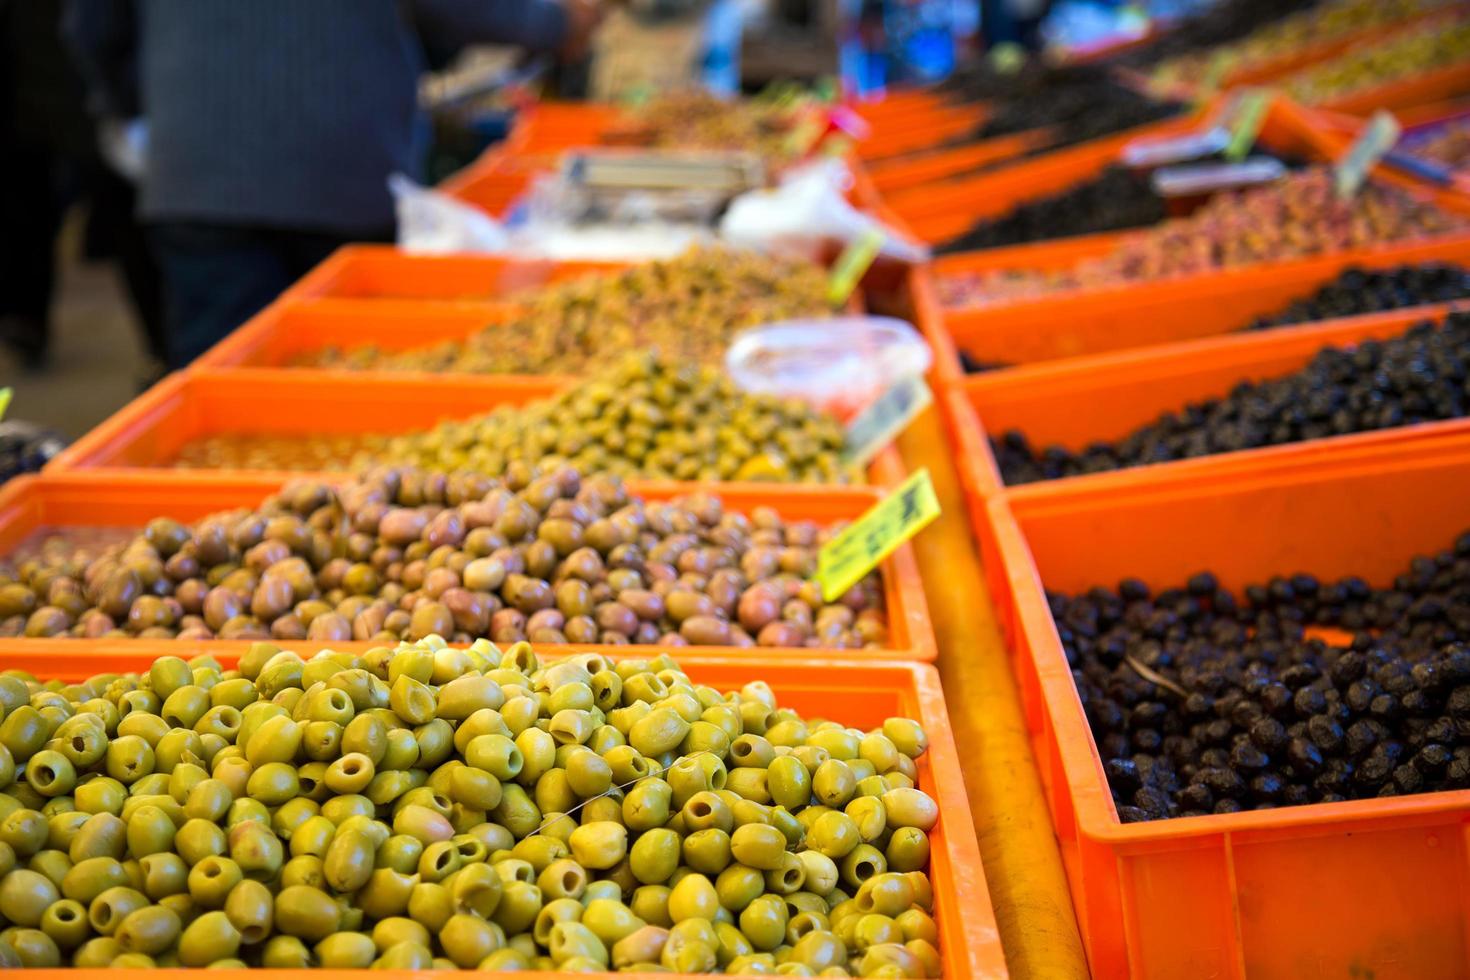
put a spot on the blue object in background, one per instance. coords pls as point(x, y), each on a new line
point(898, 41)
point(722, 31)
point(920, 39)
point(862, 57)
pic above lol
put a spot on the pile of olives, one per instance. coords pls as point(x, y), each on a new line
point(689, 308)
point(1433, 45)
point(546, 556)
point(429, 807)
point(1299, 216)
point(698, 120)
point(1214, 25)
point(645, 417)
point(1326, 22)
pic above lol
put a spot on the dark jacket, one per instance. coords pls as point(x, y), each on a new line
point(282, 113)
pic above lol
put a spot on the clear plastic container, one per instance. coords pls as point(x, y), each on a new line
point(838, 365)
point(1207, 178)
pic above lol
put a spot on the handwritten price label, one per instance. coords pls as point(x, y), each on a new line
point(851, 555)
point(1377, 138)
point(881, 422)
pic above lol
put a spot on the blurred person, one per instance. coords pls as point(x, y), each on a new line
point(44, 138)
point(272, 126)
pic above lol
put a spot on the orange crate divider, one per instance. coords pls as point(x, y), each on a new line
point(1082, 400)
point(383, 272)
point(149, 432)
point(1166, 312)
point(856, 695)
point(896, 104)
point(901, 174)
point(919, 130)
point(288, 330)
point(1372, 887)
point(1056, 254)
point(897, 174)
point(943, 210)
point(553, 126)
point(994, 191)
point(1433, 86)
point(129, 499)
point(494, 192)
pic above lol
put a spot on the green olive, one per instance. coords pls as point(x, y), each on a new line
point(208, 938)
point(25, 895)
point(655, 856)
point(307, 913)
point(150, 930)
point(250, 908)
point(758, 846)
point(89, 878)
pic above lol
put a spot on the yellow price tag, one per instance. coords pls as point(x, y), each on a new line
point(865, 542)
point(850, 266)
point(5, 395)
point(806, 134)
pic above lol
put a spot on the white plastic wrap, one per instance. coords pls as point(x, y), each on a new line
point(433, 223)
point(430, 222)
point(808, 208)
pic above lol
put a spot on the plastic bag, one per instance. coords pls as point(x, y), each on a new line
point(839, 365)
point(432, 223)
point(808, 208)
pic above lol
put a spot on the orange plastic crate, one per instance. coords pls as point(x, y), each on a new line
point(1165, 312)
point(1356, 889)
point(1082, 400)
point(384, 273)
point(149, 432)
point(858, 695)
point(129, 499)
point(1288, 129)
point(1304, 56)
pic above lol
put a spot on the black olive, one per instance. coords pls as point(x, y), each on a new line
point(1415, 376)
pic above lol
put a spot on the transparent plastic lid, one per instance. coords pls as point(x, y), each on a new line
point(838, 365)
